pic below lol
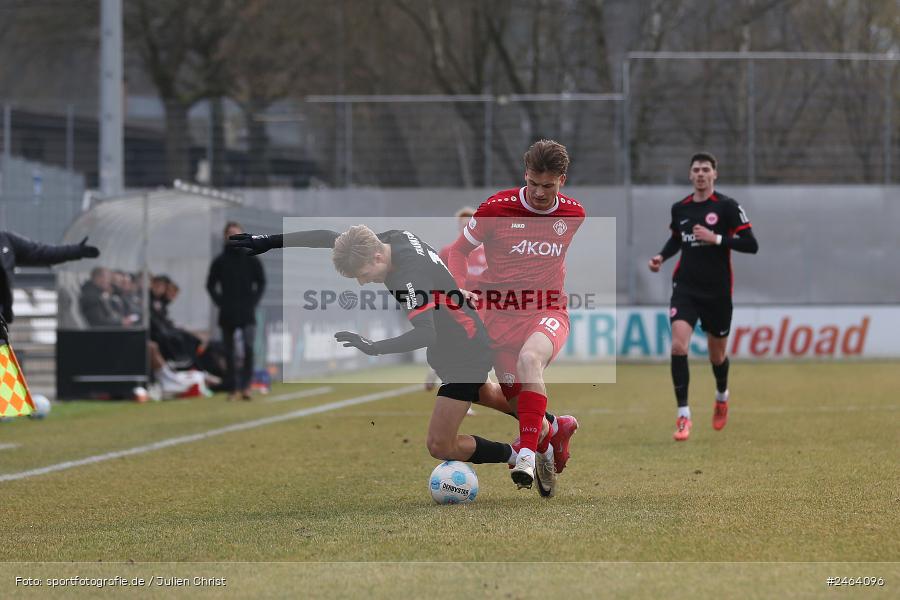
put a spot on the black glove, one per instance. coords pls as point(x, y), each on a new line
point(357, 341)
point(88, 251)
point(256, 244)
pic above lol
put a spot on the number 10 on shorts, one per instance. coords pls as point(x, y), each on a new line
point(551, 324)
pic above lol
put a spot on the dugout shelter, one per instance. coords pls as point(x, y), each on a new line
point(174, 231)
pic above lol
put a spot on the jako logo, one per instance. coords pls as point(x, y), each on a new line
point(537, 248)
point(518, 226)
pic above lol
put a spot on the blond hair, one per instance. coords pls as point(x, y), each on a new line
point(354, 249)
point(465, 211)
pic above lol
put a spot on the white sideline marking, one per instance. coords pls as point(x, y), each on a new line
point(824, 409)
point(297, 414)
point(302, 394)
point(9, 446)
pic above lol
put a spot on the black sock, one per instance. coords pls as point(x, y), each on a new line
point(680, 378)
point(550, 418)
point(721, 374)
point(487, 451)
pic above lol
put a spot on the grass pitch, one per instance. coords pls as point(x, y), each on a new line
point(804, 476)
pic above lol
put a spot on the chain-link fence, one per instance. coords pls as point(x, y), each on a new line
point(769, 117)
point(463, 141)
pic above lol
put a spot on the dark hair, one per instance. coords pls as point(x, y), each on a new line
point(704, 157)
point(547, 156)
point(231, 224)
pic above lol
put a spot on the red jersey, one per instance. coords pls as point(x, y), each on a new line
point(477, 265)
point(525, 248)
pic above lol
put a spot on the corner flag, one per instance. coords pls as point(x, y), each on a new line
point(15, 399)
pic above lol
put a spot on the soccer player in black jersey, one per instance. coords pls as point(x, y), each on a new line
point(706, 226)
point(458, 348)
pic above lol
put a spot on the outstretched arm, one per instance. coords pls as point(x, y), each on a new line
point(257, 244)
point(421, 335)
point(31, 253)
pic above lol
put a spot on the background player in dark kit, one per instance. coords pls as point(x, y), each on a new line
point(706, 226)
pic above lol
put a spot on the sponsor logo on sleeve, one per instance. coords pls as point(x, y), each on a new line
point(411, 300)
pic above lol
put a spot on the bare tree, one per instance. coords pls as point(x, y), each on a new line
point(49, 53)
point(179, 45)
point(272, 54)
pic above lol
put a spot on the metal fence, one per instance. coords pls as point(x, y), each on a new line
point(37, 200)
point(466, 141)
point(771, 118)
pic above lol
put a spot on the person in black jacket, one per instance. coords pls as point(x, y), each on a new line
point(236, 283)
point(16, 250)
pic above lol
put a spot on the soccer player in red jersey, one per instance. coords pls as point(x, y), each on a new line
point(526, 233)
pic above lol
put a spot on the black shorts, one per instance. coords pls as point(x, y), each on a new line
point(714, 312)
point(463, 368)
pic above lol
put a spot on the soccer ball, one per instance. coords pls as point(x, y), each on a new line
point(453, 482)
point(41, 406)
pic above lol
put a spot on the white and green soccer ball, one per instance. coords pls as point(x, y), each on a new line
point(41, 406)
point(453, 482)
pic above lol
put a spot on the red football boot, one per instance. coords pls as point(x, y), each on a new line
point(720, 415)
point(682, 429)
point(568, 425)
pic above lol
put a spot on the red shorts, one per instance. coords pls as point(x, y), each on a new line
point(510, 330)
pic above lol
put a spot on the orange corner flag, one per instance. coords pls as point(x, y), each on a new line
point(15, 399)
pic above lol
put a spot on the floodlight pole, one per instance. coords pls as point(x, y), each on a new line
point(111, 104)
point(888, 109)
point(7, 156)
point(630, 257)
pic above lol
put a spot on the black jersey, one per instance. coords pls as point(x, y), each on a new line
point(705, 269)
point(423, 287)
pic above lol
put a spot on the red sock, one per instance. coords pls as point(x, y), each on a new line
point(532, 407)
